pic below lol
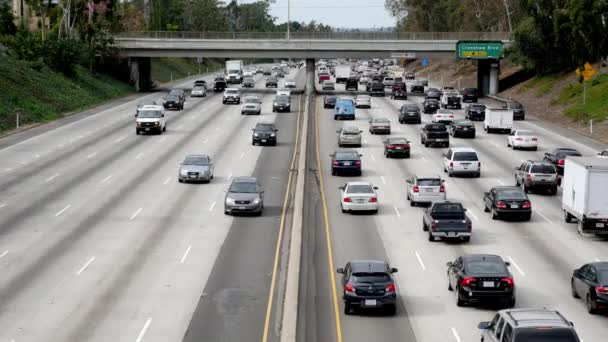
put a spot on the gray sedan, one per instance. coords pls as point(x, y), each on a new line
point(245, 195)
point(196, 168)
point(349, 136)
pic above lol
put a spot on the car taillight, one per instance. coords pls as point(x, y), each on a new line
point(478, 165)
point(508, 281)
point(519, 139)
point(406, 146)
point(601, 289)
point(391, 288)
point(501, 205)
point(442, 188)
point(458, 127)
point(561, 162)
point(534, 139)
point(434, 225)
point(529, 177)
point(416, 188)
point(349, 288)
point(527, 205)
point(390, 146)
point(468, 281)
point(451, 165)
point(347, 199)
point(358, 163)
point(335, 163)
point(373, 199)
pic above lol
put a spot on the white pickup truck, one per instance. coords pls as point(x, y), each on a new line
point(498, 119)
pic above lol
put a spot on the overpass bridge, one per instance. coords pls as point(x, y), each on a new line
point(141, 46)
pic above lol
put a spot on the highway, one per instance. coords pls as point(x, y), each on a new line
point(99, 241)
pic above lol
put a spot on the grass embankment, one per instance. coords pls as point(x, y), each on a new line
point(164, 68)
point(40, 94)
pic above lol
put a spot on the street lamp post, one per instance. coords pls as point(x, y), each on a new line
point(288, 17)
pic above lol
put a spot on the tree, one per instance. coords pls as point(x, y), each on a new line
point(41, 8)
point(7, 19)
point(207, 16)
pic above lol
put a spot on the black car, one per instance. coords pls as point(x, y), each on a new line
point(248, 82)
point(399, 91)
point(271, 82)
point(558, 156)
point(219, 85)
point(447, 220)
point(507, 201)
point(352, 84)
point(180, 93)
point(479, 278)
point(376, 89)
point(590, 282)
point(462, 128)
point(396, 146)
point(417, 87)
point(173, 102)
point(475, 112)
point(281, 103)
point(345, 161)
point(518, 110)
point(470, 94)
point(430, 105)
point(329, 101)
point(368, 284)
point(267, 72)
point(410, 113)
point(433, 93)
point(264, 134)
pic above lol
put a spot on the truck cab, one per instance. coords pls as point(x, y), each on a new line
point(150, 119)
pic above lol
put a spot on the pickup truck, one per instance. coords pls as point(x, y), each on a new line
point(447, 220)
point(435, 133)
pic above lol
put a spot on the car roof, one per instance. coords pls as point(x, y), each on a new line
point(232, 89)
point(197, 156)
point(463, 149)
point(350, 129)
point(244, 179)
point(151, 107)
point(428, 177)
point(359, 183)
point(507, 187)
point(368, 266)
point(477, 257)
point(537, 317)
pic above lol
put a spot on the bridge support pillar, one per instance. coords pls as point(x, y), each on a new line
point(310, 76)
point(140, 69)
point(488, 71)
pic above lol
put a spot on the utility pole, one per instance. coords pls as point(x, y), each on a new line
point(288, 18)
point(508, 15)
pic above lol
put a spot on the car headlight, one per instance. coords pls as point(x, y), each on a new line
point(183, 172)
point(275, 104)
point(229, 200)
point(157, 123)
point(273, 135)
point(256, 135)
point(256, 201)
point(138, 123)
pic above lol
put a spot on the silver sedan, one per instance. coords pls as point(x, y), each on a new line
point(196, 168)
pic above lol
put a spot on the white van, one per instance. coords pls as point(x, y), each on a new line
point(461, 161)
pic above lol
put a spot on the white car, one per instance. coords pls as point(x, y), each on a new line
point(425, 190)
point(198, 91)
point(290, 84)
point(231, 95)
point(363, 101)
point(251, 105)
point(522, 138)
point(364, 80)
point(284, 92)
point(328, 85)
point(150, 119)
point(461, 161)
point(444, 116)
point(358, 196)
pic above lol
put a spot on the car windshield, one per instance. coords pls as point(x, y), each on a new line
point(543, 334)
point(436, 128)
point(360, 189)
point(431, 101)
point(171, 98)
point(196, 160)
point(370, 277)
point(149, 114)
point(346, 156)
point(264, 128)
point(232, 92)
point(381, 120)
point(410, 107)
point(243, 187)
point(248, 80)
point(453, 210)
point(198, 88)
point(271, 79)
point(465, 156)
point(478, 106)
point(175, 92)
point(485, 267)
point(445, 111)
point(562, 154)
point(543, 168)
point(603, 276)
point(512, 194)
point(252, 100)
point(397, 141)
point(463, 123)
point(429, 182)
point(281, 98)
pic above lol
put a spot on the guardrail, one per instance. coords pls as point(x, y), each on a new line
point(316, 35)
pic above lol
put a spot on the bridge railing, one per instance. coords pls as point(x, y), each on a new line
point(317, 35)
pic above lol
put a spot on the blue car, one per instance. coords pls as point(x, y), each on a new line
point(345, 110)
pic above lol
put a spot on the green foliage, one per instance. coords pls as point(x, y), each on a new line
point(7, 19)
point(63, 54)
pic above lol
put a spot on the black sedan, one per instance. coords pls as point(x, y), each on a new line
point(558, 156)
point(271, 82)
point(470, 95)
point(433, 93)
point(345, 161)
point(462, 128)
point(507, 201)
point(248, 82)
point(417, 87)
point(396, 147)
point(410, 113)
point(329, 101)
point(281, 103)
point(590, 282)
point(476, 112)
point(518, 110)
point(368, 284)
point(173, 102)
point(478, 278)
point(430, 105)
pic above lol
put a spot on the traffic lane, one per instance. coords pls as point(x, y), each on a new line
point(355, 237)
point(545, 258)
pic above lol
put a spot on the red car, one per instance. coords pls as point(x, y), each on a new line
point(324, 77)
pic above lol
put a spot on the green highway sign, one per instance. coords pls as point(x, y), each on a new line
point(482, 49)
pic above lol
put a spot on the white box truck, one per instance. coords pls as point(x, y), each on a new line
point(498, 120)
point(234, 71)
point(342, 73)
point(584, 194)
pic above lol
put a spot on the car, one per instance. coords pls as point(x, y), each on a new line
point(479, 278)
point(328, 85)
point(470, 94)
point(178, 92)
point(603, 154)
point(244, 196)
point(290, 83)
point(248, 73)
point(271, 82)
point(451, 99)
point(462, 128)
point(368, 284)
point(349, 136)
point(329, 101)
point(231, 95)
point(358, 196)
point(345, 109)
point(430, 106)
point(252, 104)
point(388, 82)
point(590, 282)
point(264, 134)
point(380, 126)
point(149, 119)
point(281, 103)
point(363, 101)
point(200, 83)
point(558, 156)
point(425, 190)
point(434, 134)
point(433, 93)
point(409, 113)
point(399, 91)
point(364, 80)
point(198, 91)
point(525, 325)
point(507, 201)
point(424, 81)
point(248, 82)
point(345, 161)
point(444, 116)
point(475, 112)
point(396, 146)
point(523, 139)
point(196, 168)
point(461, 161)
point(447, 220)
point(324, 76)
point(518, 110)
point(267, 72)
point(537, 175)
point(284, 92)
point(376, 89)
point(219, 84)
point(352, 83)
point(173, 102)
point(279, 74)
point(409, 76)
point(417, 87)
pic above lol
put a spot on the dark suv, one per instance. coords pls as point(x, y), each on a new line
point(173, 102)
point(537, 175)
point(264, 134)
point(524, 325)
point(475, 112)
point(368, 284)
point(470, 94)
point(352, 84)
